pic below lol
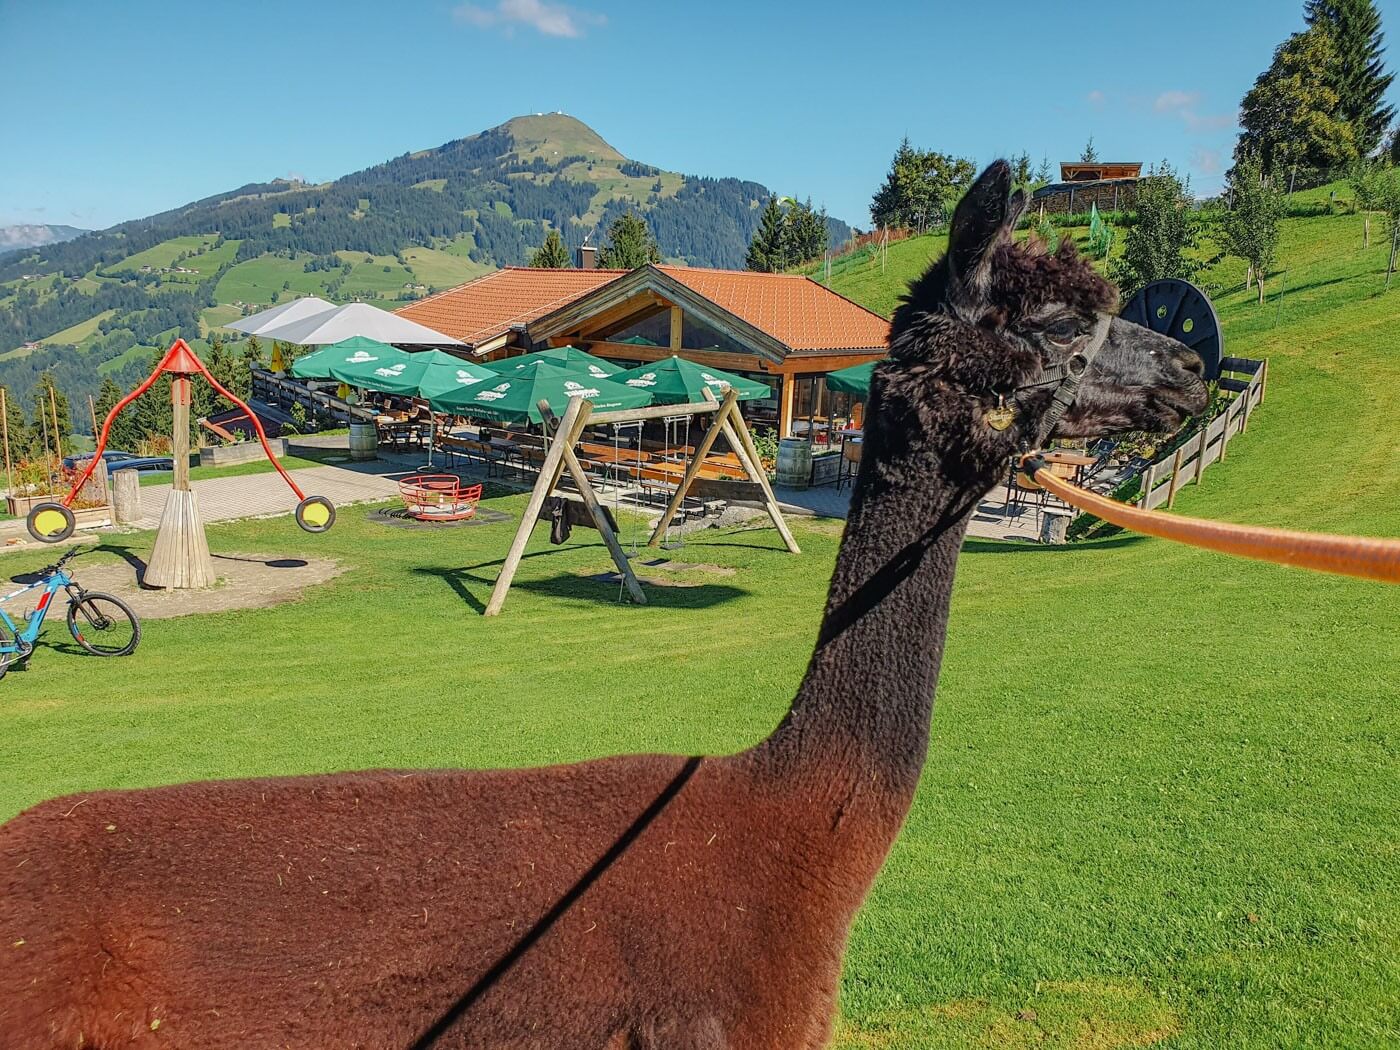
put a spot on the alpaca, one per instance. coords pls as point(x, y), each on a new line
point(631, 903)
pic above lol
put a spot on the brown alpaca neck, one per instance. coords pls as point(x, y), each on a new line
point(858, 727)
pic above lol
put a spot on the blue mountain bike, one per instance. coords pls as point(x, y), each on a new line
point(102, 624)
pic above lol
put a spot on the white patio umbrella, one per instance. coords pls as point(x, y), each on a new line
point(285, 313)
point(360, 319)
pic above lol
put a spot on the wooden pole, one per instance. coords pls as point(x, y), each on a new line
point(180, 431)
point(575, 418)
point(5, 426)
point(92, 411)
point(754, 468)
point(1175, 481)
point(590, 500)
point(57, 440)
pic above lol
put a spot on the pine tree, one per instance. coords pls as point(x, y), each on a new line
point(920, 188)
point(768, 249)
point(49, 408)
point(808, 237)
point(1358, 74)
point(551, 255)
point(1251, 225)
point(630, 244)
point(1089, 155)
point(1156, 245)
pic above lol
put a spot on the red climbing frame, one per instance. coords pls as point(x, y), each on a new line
point(179, 360)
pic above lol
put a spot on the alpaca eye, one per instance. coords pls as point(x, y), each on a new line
point(1063, 333)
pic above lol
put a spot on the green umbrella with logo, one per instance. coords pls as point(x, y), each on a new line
point(515, 398)
point(676, 381)
point(360, 355)
point(570, 357)
point(445, 375)
point(854, 380)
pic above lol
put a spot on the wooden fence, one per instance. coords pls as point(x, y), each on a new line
point(1246, 379)
point(276, 390)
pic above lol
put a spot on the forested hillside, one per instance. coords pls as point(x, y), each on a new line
point(102, 303)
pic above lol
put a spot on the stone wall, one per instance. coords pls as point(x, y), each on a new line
point(1071, 197)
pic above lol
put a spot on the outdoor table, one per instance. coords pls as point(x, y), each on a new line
point(1068, 465)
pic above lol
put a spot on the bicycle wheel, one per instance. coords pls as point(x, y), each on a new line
point(103, 625)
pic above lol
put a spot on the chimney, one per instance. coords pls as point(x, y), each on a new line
point(587, 257)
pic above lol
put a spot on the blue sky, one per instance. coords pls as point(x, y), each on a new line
point(117, 110)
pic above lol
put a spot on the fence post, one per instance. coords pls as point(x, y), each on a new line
point(1263, 379)
point(1175, 481)
point(1201, 451)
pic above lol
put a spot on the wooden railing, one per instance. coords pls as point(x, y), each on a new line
point(1162, 480)
point(278, 390)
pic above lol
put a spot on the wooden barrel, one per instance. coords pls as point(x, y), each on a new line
point(794, 467)
point(364, 441)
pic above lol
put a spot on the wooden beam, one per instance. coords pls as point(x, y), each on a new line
point(692, 468)
point(600, 519)
point(677, 324)
point(737, 432)
point(633, 415)
point(785, 404)
point(575, 418)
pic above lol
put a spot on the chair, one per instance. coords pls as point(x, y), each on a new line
point(850, 463)
point(1019, 493)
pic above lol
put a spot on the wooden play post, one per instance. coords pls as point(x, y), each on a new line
point(180, 558)
point(5, 425)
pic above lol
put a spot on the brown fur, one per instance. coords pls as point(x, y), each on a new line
point(359, 909)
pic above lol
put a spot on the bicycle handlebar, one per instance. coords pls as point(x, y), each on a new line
point(51, 569)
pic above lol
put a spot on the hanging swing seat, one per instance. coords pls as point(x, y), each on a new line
point(439, 497)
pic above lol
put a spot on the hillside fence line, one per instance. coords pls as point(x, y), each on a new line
point(1162, 479)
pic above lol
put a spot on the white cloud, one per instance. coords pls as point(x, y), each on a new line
point(1207, 161)
point(1096, 98)
point(546, 18)
point(1184, 105)
point(1176, 101)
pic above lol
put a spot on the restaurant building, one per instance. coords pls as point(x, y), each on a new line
point(784, 330)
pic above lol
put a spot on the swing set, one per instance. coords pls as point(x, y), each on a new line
point(561, 457)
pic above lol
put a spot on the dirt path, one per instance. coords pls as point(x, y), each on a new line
point(246, 581)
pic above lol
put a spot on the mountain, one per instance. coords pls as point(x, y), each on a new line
point(388, 234)
point(35, 235)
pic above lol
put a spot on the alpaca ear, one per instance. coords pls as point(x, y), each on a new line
point(987, 213)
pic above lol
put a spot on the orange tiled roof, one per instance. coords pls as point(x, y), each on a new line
point(794, 310)
point(491, 305)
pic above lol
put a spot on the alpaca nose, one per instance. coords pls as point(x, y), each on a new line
point(1191, 361)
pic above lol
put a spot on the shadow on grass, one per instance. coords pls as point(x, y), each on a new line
point(974, 545)
point(467, 581)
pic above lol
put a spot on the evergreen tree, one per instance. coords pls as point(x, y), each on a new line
point(45, 411)
point(1022, 174)
point(122, 435)
point(768, 249)
point(1358, 74)
point(808, 236)
point(551, 255)
point(630, 244)
point(1291, 114)
point(1251, 225)
point(1089, 154)
point(920, 188)
point(1155, 246)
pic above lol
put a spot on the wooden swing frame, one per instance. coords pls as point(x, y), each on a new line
point(561, 457)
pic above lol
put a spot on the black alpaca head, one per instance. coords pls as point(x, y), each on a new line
point(986, 324)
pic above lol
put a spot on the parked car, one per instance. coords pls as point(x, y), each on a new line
point(117, 460)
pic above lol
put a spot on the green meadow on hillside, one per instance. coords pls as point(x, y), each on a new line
point(1162, 805)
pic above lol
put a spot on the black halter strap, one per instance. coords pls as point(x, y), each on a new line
point(1068, 374)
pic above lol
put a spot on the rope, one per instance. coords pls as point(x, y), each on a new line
point(1366, 557)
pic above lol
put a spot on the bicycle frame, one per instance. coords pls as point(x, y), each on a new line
point(51, 584)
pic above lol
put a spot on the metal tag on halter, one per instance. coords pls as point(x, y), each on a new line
point(1001, 417)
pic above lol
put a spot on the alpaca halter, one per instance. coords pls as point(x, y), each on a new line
point(1068, 374)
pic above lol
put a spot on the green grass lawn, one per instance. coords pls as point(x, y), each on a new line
point(1162, 806)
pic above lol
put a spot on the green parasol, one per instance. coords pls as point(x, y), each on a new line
point(854, 380)
point(570, 357)
point(362, 354)
point(676, 381)
point(445, 375)
point(515, 399)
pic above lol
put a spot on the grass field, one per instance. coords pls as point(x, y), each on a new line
point(1162, 806)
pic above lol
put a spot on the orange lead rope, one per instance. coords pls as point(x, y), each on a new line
point(1362, 556)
